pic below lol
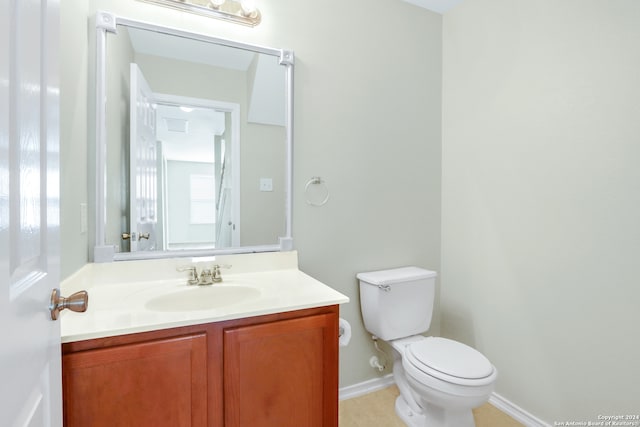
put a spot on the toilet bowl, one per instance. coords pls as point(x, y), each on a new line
point(446, 379)
point(440, 380)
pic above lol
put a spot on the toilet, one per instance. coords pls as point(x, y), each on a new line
point(440, 380)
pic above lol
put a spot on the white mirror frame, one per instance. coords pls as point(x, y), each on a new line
point(107, 23)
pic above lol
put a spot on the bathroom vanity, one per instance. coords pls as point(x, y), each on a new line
point(265, 358)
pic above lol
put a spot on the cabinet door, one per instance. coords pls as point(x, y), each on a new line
point(282, 374)
point(156, 383)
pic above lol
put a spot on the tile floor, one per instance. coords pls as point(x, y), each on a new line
point(377, 410)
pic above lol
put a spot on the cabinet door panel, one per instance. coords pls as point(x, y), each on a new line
point(282, 374)
point(157, 383)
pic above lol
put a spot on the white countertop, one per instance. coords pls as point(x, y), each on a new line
point(129, 297)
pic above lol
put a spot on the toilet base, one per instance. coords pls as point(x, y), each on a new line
point(433, 416)
point(410, 418)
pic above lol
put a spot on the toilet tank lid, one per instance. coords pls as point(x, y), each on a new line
point(395, 275)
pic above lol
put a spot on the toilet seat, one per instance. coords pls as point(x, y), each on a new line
point(449, 361)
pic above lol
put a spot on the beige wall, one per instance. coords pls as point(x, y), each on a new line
point(74, 124)
point(541, 201)
point(367, 105)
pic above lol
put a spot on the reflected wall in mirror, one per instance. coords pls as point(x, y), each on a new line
point(197, 144)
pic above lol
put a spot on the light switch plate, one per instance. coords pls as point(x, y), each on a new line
point(266, 184)
point(83, 218)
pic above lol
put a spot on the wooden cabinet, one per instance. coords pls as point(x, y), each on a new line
point(269, 371)
point(281, 373)
point(157, 383)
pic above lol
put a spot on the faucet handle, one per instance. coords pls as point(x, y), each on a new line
point(193, 273)
point(216, 276)
point(217, 267)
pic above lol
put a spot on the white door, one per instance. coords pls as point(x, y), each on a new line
point(227, 233)
point(143, 179)
point(31, 393)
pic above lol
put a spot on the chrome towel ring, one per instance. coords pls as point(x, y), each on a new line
point(316, 180)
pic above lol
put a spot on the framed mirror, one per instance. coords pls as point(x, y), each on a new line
point(193, 143)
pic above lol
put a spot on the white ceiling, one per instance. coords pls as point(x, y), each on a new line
point(438, 6)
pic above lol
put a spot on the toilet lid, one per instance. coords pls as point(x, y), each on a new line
point(436, 355)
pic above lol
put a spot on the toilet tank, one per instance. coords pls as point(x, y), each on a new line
point(397, 303)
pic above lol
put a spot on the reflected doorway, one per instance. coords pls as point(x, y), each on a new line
point(185, 178)
point(199, 195)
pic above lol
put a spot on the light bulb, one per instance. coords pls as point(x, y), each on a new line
point(216, 3)
point(249, 7)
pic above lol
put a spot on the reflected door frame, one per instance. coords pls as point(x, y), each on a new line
point(234, 110)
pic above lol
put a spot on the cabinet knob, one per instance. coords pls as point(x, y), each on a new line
point(77, 302)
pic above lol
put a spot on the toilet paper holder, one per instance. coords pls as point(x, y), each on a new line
point(344, 332)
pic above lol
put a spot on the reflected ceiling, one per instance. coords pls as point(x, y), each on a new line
point(438, 6)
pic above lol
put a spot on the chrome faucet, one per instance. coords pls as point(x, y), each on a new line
point(207, 276)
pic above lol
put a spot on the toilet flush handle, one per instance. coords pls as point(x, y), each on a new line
point(385, 288)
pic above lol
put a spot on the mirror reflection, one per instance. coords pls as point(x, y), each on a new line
point(196, 144)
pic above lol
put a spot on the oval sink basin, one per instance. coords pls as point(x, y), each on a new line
point(194, 298)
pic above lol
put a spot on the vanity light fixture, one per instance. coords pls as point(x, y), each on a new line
point(243, 12)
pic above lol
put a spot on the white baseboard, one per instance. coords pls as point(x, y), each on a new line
point(516, 412)
point(509, 408)
point(365, 387)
